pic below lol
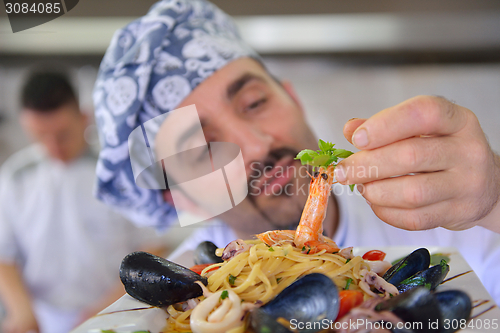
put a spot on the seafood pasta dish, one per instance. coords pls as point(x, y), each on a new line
point(257, 274)
point(284, 278)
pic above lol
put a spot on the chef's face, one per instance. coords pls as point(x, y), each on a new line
point(241, 103)
point(60, 131)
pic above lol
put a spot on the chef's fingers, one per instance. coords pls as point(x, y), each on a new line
point(413, 191)
point(442, 214)
point(421, 154)
point(421, 115)
point(351, 126)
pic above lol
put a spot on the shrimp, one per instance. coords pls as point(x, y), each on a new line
point(309, 234)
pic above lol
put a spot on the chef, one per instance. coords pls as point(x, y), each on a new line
point(185, 53)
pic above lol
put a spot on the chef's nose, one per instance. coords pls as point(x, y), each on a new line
point(255, 143)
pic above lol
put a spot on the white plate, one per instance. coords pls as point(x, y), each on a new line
point(129, 315)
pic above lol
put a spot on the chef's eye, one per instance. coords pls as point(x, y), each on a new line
point(256, 104)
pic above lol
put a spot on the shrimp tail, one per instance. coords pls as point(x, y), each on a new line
point(277, 237)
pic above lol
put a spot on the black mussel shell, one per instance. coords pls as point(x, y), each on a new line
point(205, 254)
point(430, 310)
point(429, 278)
point(311, 299)
point(157, 281)
point(261, 322)
point(415, 262)
point(455, 305)
point(415, 306)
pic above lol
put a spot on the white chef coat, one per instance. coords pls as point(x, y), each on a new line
point(359, 226)
point(68, 245)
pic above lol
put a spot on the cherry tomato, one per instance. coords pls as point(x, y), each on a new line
point(349, 299)
point(374, 255)
point(199, 268)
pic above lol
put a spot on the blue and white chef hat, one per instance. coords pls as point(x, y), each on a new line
point(151, 65)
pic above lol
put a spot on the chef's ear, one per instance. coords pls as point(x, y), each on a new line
point(290, 90)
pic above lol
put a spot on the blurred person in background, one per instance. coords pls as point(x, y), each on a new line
point(187, 52)
point(60, 249)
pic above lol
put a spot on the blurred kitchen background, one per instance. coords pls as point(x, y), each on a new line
point(346, 58)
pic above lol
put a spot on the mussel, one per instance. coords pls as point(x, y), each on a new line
point(157, 281)
point(454, 305)
point(205, 254)
point(429, 278)
point(413, 271)
point(415, 306)
point(311, 299)
point(415, 262)
point(429, 310)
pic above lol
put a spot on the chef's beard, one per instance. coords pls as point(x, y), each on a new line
point(271, 209)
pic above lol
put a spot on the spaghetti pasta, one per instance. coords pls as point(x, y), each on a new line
point(262, 272)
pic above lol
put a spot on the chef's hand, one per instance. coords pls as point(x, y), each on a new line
point(455, 181)
point(20, 321)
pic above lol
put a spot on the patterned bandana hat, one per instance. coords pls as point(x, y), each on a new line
point(150, 67)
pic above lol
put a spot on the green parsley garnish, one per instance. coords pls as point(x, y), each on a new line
point(325, 156)
point(278, 280)
point(303, 248)
point(444, 265)
point(265, 329)
point(347, 260)
point(414, 281)
point(348, 283)
point(231, 279)
point(271, 249)
point(224, 294)
point(437, 257)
